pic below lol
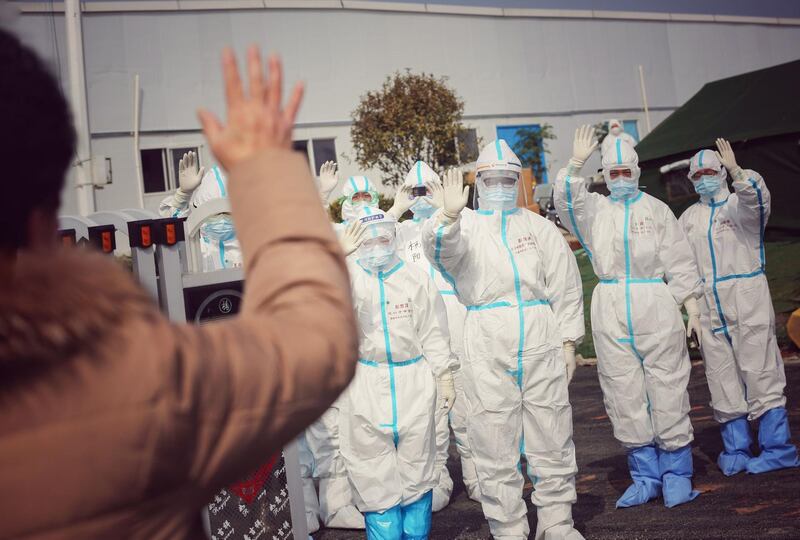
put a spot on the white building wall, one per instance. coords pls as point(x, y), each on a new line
point(507, 70)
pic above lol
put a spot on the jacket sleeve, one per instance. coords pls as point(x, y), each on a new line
point(432, 328)
point(243, 388)
point(445, 244)
point(754, 201)
point(576, 207)
point(563, 282)
point(677, 257)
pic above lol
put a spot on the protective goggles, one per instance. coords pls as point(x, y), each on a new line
point(620, 173)
point(498, 178)
point(699, 173)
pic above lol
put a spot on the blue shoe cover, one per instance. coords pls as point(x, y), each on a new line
point(736, 441)
point(417, 518)
point(386, 525)
point(643, 466)
point(676, 475)
point(773, 439)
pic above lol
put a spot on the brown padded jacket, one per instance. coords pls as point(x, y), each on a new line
point(116, 423)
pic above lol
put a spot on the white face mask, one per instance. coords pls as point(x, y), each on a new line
point(422, 209)
point(616, 130)
point(498, 197)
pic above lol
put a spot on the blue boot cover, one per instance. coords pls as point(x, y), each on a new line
point(736, 441)
point(773, 439)
point(643, 465)
point(417, 518)
point(676, 475)
point(386, 525)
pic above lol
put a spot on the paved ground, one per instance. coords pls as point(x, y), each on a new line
point(752, 507)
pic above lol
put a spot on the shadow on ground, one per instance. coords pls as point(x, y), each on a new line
point(748, 507)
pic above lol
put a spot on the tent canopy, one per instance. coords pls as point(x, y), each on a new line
point(749, 106)
point(759, 112)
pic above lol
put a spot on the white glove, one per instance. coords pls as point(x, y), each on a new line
point(728, 158)
point(435, 194)
point(352, 237)
point(583, 145)
point(455, 195)
point(693, 324)
point(327, 179)
point(569, 359)
point(402, 202)
point(446, 390)
point(189, 177)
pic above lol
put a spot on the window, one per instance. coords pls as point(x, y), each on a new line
point(515, 137)
point(160, 167)
point(679, 187)
point(631, 127)
point(467, 145)
point(317, 151)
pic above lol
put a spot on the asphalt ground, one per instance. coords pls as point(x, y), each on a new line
point(765, 506)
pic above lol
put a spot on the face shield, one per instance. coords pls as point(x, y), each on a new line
point(497, 189)
point(379, 248)
point(356, 202)
point(707, 174)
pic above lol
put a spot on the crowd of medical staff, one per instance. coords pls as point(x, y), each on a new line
point(469, 319)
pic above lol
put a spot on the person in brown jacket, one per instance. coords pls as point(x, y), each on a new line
point(115, 423)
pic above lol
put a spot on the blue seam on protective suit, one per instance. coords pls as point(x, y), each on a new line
point(505, 303)
point(353, 184)
point(222, 253)
point(447, 293)
point(573, 221)
point(700, 159)
point(419, 173)
point(437, 258)
point(388, 346)
point(518, 293)
point(760, 223)
point(221, 184)
point(612, 281)
point(498, 149)
point(372, 363)
point(619, 151)
point(177, 212)
point(740, 276)
point(626, 245)
point(724, 327)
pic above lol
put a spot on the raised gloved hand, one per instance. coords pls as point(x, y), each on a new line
point(569, 359)
point(728, 158)
point(454, 195)
point(189, 176)
point(583, 145)
point(327, 179)
point(352, 237)
point(693, 324)
point(446, 390)
point(402, 202)
point(435, 194)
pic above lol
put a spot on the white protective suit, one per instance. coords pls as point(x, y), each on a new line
point(309, 490)
point(337, 508)
point(646, 270)
point(615, 131)
point(743, 363)
point(519, 280)
point(388, 435)
point(409, 248)
point(218, 242)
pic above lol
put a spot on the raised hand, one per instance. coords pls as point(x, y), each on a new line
point(455, 194)
point(256, 119)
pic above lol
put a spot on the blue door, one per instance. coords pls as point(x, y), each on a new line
point(509, 133)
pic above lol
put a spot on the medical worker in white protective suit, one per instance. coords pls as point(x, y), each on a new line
point(422, 193)
point(519, 280)
point(646, 270)
point(744, 367)
point(615, 132)
point(388, 433)
point(218, 242)
point(323, 461)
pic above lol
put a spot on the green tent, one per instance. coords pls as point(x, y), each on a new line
point(759, 112)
